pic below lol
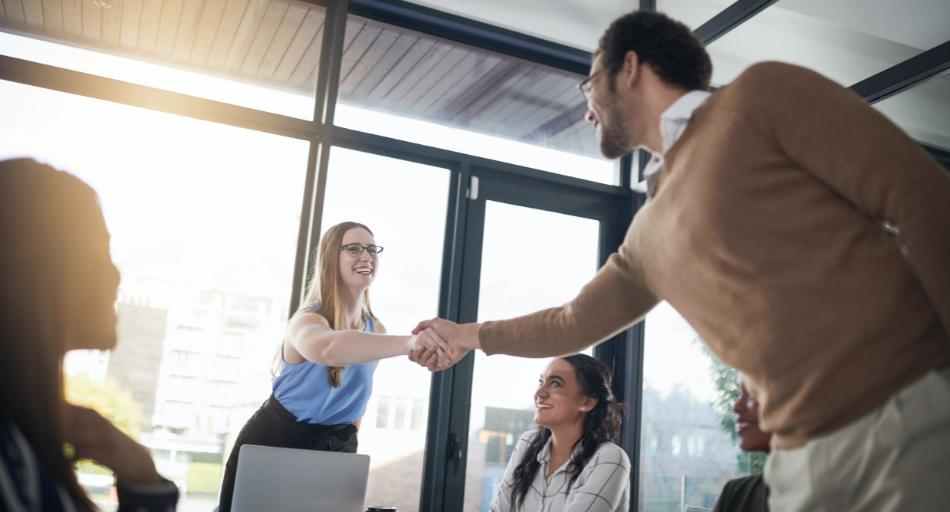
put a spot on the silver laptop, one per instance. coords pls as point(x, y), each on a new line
point(299, 480)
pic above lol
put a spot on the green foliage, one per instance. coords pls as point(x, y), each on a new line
point(203, 477)
point(727, 394)
point(110, 400)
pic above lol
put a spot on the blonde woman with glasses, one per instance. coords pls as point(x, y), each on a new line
point(331, 348)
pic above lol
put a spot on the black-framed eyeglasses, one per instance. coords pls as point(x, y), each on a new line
point(356, 250)
point(587, 84)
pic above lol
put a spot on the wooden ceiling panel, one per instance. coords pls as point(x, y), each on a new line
point(187, 29)
point(309, 35)
point(279, 45)
point(211, 17)
point(484, 69)
point(168, 27)
point(370, 80)
point(358, 47)
point(310, 61)
point(148, 26)
point(266, 31)
point(53, 17)
point(91, 20)
point(244, 36)
point(392, 77)
point(111, 22)
point(369, 60)
point(224, 36)
point(444, 76)
point(14, 12)
point(408, 82)
point(131, 18)
point(568, 98)
point(432, 78)
point(33, 13)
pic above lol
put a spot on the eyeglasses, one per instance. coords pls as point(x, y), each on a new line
point(586, 84)
point(356, 250)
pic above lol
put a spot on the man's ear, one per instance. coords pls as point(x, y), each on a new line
point(631, 69)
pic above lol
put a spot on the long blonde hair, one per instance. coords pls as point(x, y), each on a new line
point(326, 283)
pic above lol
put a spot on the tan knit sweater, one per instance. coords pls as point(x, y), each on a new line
point(766, 234)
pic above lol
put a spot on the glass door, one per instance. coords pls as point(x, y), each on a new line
point(527, 246)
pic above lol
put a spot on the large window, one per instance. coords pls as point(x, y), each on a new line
point(686, 452)
point(523, 251)
point(203, 219)
point(209, 234)
point(413, 87)
point(404, 204)
point(262, 55)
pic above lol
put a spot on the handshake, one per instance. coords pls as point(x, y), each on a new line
point(438, 344)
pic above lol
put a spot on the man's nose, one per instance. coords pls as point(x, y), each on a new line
point(589, 116)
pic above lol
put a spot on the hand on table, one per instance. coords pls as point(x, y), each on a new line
point(459, 338)
point(96, 438)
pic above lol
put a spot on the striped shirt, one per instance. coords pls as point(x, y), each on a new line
point(603, 485)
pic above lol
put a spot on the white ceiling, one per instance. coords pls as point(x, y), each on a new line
point(922, 24)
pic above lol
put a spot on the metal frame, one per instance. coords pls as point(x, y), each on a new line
point(730, 18)
point(473, 33)
point(458, 299)
point(318, 159)
point(931, 64)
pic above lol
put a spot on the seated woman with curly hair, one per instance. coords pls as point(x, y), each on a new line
point(571, 462)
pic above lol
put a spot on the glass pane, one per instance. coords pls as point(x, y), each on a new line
point(686, 454)
point(405, 205)
point(204, 221)
point(693, 13)
point(923, 112)
point(261, 54)
point(503, 386)
point(409, 86)
point(837, 39)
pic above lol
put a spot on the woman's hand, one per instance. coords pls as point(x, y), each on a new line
point(430, 344)
point(96, 438)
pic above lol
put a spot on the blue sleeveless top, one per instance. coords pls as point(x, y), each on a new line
point(303, 388)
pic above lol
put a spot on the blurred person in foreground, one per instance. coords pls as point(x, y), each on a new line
point(748, 494)
point(57, 293)
point(571, 463)
point(804, 237)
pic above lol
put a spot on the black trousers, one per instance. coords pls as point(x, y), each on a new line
point(273, 425)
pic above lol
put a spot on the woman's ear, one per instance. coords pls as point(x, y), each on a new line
point(588, 404)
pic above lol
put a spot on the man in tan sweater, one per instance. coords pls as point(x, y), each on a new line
point(766, 230)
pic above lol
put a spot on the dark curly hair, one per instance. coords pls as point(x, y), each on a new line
point(602, 424)
point(668, 46)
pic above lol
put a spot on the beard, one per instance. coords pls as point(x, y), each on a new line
point(614, 141)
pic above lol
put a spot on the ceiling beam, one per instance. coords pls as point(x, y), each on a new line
point(474, 33)
point(730, 18)
point(912, 72)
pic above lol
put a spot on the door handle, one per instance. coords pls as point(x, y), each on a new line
point(455, 452)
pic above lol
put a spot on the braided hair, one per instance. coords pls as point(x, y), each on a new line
point(602, 424)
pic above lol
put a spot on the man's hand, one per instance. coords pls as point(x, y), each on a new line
point(460, 339)
point(425, 344)
point(94, 437)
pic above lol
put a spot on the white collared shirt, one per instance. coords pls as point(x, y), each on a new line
point(602, 486)
point(672, 125)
